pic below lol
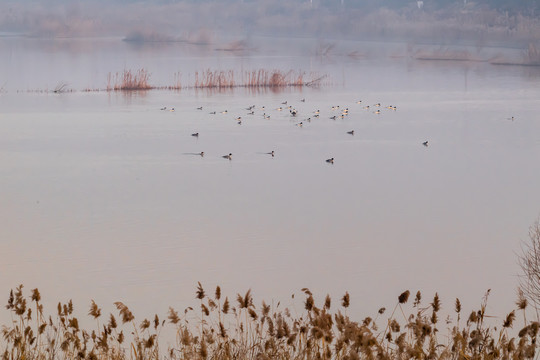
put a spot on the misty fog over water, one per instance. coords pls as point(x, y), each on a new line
point(478, 23)
point(105, 198)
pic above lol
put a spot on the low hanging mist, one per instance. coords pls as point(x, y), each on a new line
point(477, 23)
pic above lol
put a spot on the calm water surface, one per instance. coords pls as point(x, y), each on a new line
point(102, 197)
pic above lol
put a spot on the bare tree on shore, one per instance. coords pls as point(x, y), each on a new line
point(529, 261)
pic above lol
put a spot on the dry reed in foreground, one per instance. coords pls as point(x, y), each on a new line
point(238, 329)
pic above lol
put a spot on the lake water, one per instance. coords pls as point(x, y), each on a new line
point(104, 199)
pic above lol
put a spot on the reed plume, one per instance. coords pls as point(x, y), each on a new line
point(262, 332)
point(345, 300)
point(404, 297)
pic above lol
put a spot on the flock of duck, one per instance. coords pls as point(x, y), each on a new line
point(294, 113)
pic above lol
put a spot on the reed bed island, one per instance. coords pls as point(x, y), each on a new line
point(258, 79)
point(219, 327)
point(139, 80)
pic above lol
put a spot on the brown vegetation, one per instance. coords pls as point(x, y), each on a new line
point(129, 80)
point(177, 82)
point(218, 80)
point(239, 329)
point(261, 78)
point(255, 78)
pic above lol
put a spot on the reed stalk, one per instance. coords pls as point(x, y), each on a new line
point(264, 332)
